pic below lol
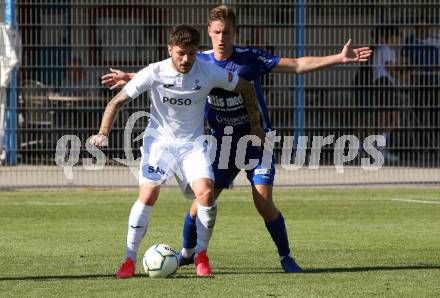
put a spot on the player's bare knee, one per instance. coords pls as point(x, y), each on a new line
point(204, 192)
point(147, 200)
point(266, 208)
point(148, 194)
point(205, 196)
point(263, 207)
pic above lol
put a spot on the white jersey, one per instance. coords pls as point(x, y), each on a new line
point(178, 100)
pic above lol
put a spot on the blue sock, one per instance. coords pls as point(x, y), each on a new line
point(189, 232)
point(277, 229)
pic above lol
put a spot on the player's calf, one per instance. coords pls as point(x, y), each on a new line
point(186, 255)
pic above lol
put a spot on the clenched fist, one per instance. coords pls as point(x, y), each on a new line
point(99, 140)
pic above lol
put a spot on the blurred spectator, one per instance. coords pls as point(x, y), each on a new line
point(77, 81)
point(422, 48)
point(422, 54)
point(77, 101)
point(386, 76)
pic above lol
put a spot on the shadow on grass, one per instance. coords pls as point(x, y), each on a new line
point(86, 276)
point(227, 271)
point(61, 277)
point(373, 268)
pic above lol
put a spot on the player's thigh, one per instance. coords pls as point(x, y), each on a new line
point(262, 193)
point(194, 163)
point(225, 171)
point(224, 177)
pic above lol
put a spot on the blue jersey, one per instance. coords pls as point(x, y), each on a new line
point(225, 108)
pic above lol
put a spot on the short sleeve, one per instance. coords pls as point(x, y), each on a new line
point(221, 78)
point(265, 60)
point(140, 83)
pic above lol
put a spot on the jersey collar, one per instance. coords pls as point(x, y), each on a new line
point(225, 60)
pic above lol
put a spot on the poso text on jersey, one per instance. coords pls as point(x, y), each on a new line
point(177, 101)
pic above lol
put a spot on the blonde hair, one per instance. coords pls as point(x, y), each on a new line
point(222, 13)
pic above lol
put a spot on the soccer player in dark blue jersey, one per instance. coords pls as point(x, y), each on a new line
point(227, 115)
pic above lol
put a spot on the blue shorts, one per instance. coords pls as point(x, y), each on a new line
point(224, 175)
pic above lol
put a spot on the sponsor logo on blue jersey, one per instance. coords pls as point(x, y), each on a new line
point(264, 59)
point(241, 50)
point(234, 101)
point(227, 108)
point(216, 101)
point(229, 102)
point(262, 171)
point(232, 121)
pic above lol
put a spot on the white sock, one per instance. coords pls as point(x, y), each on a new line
point(187, 252)
point(137, 227)
point(205, 221)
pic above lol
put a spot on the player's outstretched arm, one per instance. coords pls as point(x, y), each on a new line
point(247, 90)
point(306, 64)
point(111, 110)
point(116, 79)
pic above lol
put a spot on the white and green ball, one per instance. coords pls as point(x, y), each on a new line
point(160, 261)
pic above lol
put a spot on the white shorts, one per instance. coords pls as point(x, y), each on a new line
point(161, 160)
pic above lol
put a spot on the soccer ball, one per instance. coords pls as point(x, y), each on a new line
point(160, 260)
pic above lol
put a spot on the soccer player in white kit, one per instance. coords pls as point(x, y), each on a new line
point(173, 140)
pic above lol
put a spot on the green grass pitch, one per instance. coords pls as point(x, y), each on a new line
point(351, 243)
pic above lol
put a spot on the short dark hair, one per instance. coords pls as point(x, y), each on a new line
point(222, 13)
point(184, 35)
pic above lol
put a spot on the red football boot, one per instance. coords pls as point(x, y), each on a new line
point(202, 264)
point(127, 269)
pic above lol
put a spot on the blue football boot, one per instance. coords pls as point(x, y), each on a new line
point(185, 261)
point(290, 266)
